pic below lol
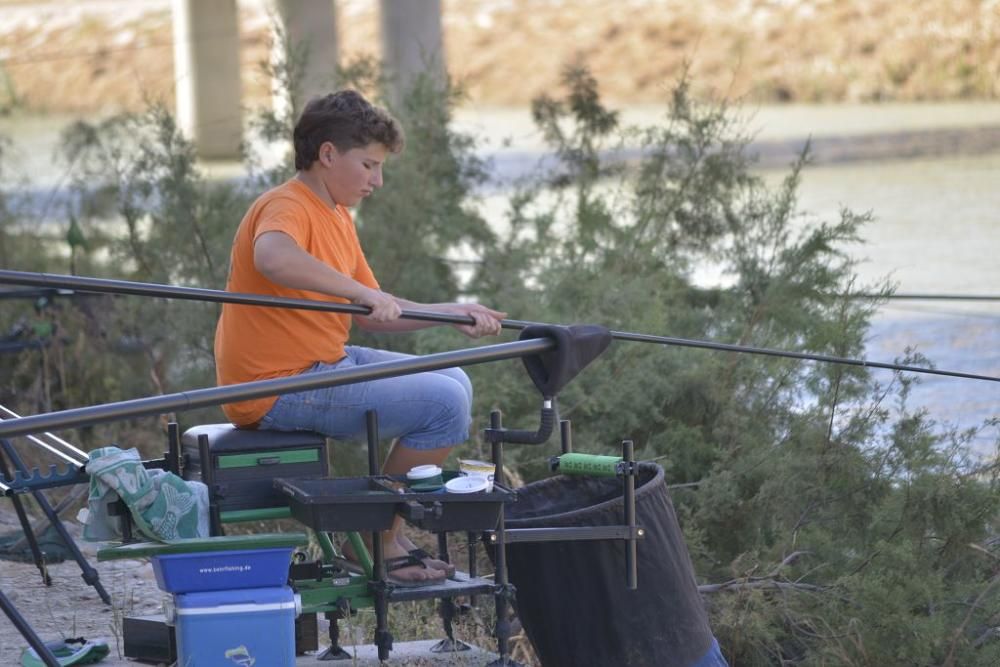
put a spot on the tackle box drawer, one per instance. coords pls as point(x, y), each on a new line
point(245, 462)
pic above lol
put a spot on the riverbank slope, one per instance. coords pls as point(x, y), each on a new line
point(109, 55)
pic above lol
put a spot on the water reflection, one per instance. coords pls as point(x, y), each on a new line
point(936, 230)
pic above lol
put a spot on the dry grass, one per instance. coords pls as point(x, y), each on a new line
point(508, 51)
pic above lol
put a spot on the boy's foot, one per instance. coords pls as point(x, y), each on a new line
point(430, 561)
point(402, 568)
point(410, 571)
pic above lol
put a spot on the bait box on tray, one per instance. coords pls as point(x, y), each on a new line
point(441, 511)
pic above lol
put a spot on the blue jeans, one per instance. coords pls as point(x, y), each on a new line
point(425, 410)
point(713, 658)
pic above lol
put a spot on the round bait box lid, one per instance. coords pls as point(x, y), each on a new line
point(466, 485)
point(423, 472)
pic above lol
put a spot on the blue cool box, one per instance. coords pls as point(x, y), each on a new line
point(252, 626)
point(222, 570)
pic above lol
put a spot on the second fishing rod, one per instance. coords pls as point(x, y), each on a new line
point(125, 287)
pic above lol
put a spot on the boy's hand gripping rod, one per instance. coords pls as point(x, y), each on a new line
point(108, 286)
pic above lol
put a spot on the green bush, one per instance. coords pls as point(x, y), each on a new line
point(839, 526)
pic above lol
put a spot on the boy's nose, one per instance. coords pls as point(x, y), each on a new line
point(376, 179)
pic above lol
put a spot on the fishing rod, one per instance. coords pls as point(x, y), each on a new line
point(110, 286)
point(78, 457)
point(33, 293)
point(897, 296)
point(212, 396)
point(902, 296)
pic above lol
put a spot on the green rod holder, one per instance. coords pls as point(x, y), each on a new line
point(591, 465)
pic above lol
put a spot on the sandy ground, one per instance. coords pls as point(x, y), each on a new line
point(70, 607)
point(102, 55)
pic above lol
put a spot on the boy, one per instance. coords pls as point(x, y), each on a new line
point(299, 241)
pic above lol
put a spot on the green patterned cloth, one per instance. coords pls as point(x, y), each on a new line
point(163, 506)
point(75, 651)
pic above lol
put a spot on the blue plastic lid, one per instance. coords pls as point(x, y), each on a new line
point(270, 595)
point(245, 554)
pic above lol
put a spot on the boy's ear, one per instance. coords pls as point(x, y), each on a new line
point(327, 153)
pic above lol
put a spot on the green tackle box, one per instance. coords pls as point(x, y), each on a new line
point(244, 462)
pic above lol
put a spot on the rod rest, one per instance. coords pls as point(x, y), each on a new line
point(49, 477)
point(524, 436)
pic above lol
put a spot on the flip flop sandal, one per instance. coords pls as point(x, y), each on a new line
point(410, 560)
point(393, 564)
point(76, 651)
point(423, 557)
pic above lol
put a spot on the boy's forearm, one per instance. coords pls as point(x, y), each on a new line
point(314, 279)
point(414, 305)
point(284, 263)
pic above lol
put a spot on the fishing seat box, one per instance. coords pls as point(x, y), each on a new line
point(244, 462)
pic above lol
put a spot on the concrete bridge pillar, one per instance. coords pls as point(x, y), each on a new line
point(207, 62)
point(411, 42)
point(310, 47)
point(207, 75)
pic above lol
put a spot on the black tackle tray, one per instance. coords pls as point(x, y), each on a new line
point(369, 503)
point(340, 503)
point(440, 511)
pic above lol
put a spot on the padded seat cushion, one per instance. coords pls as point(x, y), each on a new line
point(228, 438)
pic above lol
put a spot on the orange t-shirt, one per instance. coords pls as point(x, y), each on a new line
point(256, 342)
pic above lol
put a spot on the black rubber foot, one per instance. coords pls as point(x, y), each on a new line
point(450, 646)
point(505, 662)
point(334, 653)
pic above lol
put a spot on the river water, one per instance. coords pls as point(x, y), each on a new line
point(936, 226)
point(936, 229)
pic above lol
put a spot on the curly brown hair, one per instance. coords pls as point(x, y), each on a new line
point(347, 120)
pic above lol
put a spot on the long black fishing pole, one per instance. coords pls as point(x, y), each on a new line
point(902, 296)
point(211, 396)
point(109, 286)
